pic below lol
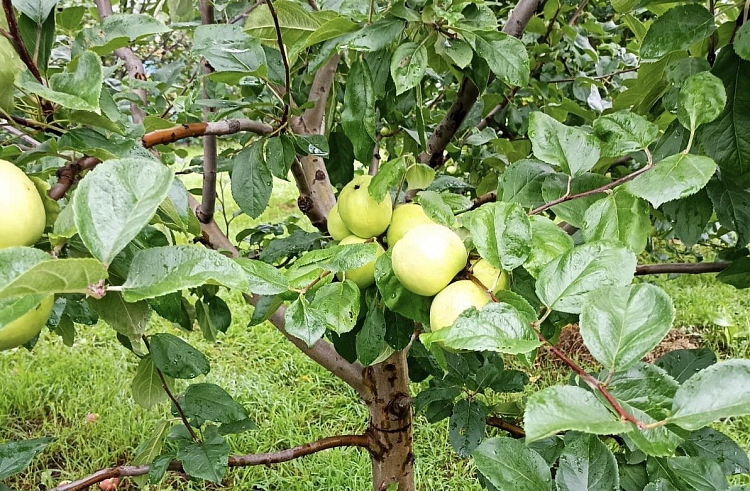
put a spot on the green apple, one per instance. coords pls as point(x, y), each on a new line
point(336, 226)
point(27, 326)
point(361, 214)
point(405, 218)
point(491, 277)
point(363, 276)
point(427, 258)
point(22, 219)
point(454, 299)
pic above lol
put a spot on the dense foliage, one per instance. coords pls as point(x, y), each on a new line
point(560, 140)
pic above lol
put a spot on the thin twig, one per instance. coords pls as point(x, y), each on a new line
point(683, 268)
point(510, 428)
point(590, 380)
point(17, 41)
point(282, 49)
point(205, 212)
point(577, 12)
point(597, 77)
point(171, 396)
point(244, 14)
point(567, 196)
point(361, 441)
point(66, 175)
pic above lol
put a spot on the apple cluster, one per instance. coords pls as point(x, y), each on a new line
point(425, 256)
point(22, 223)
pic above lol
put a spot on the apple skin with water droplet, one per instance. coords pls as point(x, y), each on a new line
point(454, 299)
point(359, 211)
point(427, 258)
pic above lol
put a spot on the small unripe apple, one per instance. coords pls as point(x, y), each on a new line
point(427, 258)
point(109, 484)
point(23, 329)
point(359, 211)
point(23, 218)
point(491, 277)
point(363, 276)
point(454, 299)
point(405, 218)
point(336, 226)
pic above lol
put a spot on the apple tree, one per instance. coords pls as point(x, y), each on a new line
point(502, 170)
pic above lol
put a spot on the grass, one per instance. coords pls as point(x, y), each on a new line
point(50, 391)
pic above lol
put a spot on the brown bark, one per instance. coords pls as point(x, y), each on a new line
point(391, 423)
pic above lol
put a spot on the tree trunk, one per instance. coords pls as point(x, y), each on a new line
point(391, 424)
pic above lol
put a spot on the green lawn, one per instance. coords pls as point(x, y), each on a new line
point(49, 392)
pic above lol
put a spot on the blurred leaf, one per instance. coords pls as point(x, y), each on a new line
point(16, 456)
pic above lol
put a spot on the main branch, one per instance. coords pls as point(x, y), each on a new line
point(361, 441)
point(683, 268)
point(468, 93)
point(205, 212)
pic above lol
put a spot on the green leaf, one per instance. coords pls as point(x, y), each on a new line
point(732, 205)
point(624, 132)
point(561, 408)
point(689, 216)
point(620, 325)
point(391, 173)
point(76, 88)
point(279, 155)
point(146, 388)
point(180, 10)
point(466, 426)
point(370, 340)
point(208, 459)
point(36, 10)
point(176, 358)
point(209, 402)
point(304, 322)
point(213, 316)
point(564, 283)
point(263, 278)
point(116, 200)
point(693, 473)
point(396, 297)
point(678, 29)
point(645, 387)
point(339, 303)
point(742, 41)
point(340, 257)
point(556, 185)
point(505, 55)
point(408, 66)
point(548, 241)
point(737, 273)
point(10, 66)
point(129, 319)
point(703, 399)
point(358, 114)
point(620, 217)
point(436, 208)
point(586, 463)
point(252, 182)
point(501, 233)
point(149, 450)
point(16, 456)
point(557, 144)
point(161, 270)
point(522, 182)
point(510, 464)
point(23, 272)
point(716, 446)
point(499, 327)
point(378, 35)
point(683, 364)
point(702, 98)
point(38, 38)
point(333, 28)
point(454, 51)
point(419, 176)
point(296, 23)
point(117, 31)
point(674, 177)
point(316, 145)
point(228, 49)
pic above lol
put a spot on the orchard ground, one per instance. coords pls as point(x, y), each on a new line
point(50, 392)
